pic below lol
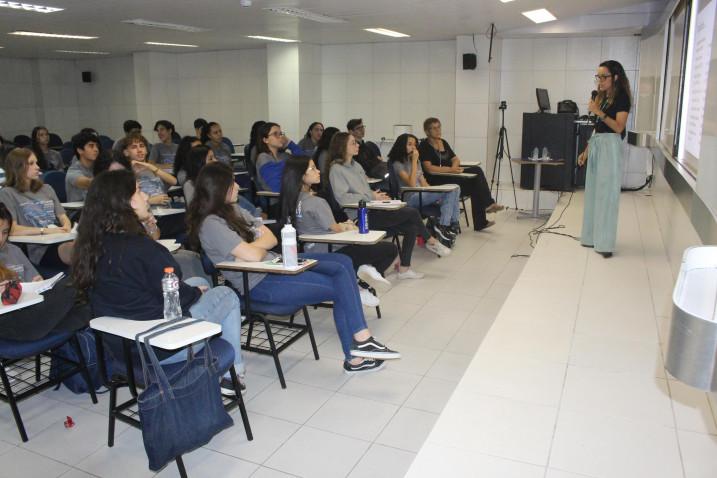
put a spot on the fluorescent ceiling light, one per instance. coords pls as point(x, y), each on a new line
point(282, 40)
point(506, 1)
point(389, 33)
point(140, 22)
point(540, 16)
point(306, 15)
point(51, 35)
point(77, 52)
point(29, 7)
point(169, 44)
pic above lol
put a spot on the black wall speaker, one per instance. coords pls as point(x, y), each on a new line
point(470, 61)
point(86, 77)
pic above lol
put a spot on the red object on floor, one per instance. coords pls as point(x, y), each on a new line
point(420, 241)
point(69, 423)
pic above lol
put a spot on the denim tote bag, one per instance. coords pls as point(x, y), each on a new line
point(183, 411)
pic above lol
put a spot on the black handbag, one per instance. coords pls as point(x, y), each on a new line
point(184, 411)
point(568, 106)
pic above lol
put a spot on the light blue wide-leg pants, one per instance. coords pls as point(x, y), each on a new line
point(602, 192)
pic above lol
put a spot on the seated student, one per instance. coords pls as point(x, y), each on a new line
point(212, 137)
point(79, 174)
point(108, 161)
point(321, 155)
point(129, 126)
point(369, 155)
point(181, 157)
point(311, 214)
point(349, 184)
point(311, 139)
point(153, 181)
point(120, 269)
point(199, 125)
point(227, 233)
point(163, 153)
point(437, 156)
point(252, 147)
point(47, 158)
point(12, 256)
point(35, 208)
point(403, 158)
point(271, 159)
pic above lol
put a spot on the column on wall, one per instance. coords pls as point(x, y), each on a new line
point(283, 74)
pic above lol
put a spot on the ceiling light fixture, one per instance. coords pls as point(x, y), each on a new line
point(540, 16)
point(170, 44)
point(305, 15)
point(388, 33)
point(51, 35)
point(281, 40)
point(506, 1)
point(140, 22)
point(77, 52)
point(29, 7)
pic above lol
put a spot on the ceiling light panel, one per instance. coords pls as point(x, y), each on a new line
point(28, 7)
point(170, 44)
point(51, 35)
point(281, 40)
point(140, 22)
point(540, 16)
point(388, 33)
point(305, 15)
point(78, 52)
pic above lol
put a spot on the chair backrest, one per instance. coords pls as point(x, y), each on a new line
point(328, 194)
point(56, 180)
point(106, 142)
point(394, 182)
point(176, 138)
point(229, 143)
point(22, 141)
point(55, 141)
point(67, 155)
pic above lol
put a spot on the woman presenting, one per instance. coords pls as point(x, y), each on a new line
point(604, 154)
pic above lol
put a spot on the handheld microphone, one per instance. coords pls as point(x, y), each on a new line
point(594, 94)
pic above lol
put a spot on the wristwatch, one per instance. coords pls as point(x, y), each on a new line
point(42, 231)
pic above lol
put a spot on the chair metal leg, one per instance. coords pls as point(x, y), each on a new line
point(274, 353)
point(13, 403)
point(112, 419)
point(180, 467)
point(307, 320)
point(38, 368)
point(240, 401)
point(465, 211)
point(83, 368)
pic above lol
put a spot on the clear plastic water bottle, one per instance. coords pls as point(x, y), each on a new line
point(170, 290)
point(362, 217)
point(288, 246)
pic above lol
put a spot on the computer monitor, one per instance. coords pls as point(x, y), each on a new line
point(543, 99)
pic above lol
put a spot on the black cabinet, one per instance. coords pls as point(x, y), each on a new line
point(557, 133)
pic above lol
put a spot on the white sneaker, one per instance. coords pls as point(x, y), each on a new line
point(372, 277)
point(410, 274)
point(367, 298)
point(438, 249)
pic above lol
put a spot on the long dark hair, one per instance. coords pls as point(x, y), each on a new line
point(180, 157)
point(107, 210)
point(205, 131)
point(39, 154)
point(311, 126)
point(105, 160)
point(292, 181)
point(325, 141)
point(254, 135)
point(210, 193)
point(619, 86)
point(263, 133)
point(196, 160)
point(398, 150)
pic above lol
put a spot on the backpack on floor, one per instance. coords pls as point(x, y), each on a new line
point(75, 382)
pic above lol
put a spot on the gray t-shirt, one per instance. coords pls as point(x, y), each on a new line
point(54, 160)
point(307, 145)
point(14, 259)
point(163, 153)
point(222, 152)
point(74, 172)
point(401, 167)
point(313, 216)
point(188, 188)
point(150, 184)
point(35, 209)
point(349, 185)
point(218, 241)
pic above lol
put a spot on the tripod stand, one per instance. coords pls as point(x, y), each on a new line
point(500, 152)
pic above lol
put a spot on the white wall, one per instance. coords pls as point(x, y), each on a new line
point(387, 84)
point(19, 101)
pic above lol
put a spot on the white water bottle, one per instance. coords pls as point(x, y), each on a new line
point(288, 246)
point(170, 290)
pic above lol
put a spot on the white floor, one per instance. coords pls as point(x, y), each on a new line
point(570, 380)
point(600, 418)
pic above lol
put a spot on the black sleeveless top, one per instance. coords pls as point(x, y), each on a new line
point(620, 103)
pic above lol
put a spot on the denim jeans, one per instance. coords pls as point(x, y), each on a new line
point(221, 306)
point(332, 278)
point(448, 202)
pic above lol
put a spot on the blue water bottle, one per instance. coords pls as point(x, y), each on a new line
point(362, 217)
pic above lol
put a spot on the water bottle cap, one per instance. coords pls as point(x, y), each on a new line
point(169, 270)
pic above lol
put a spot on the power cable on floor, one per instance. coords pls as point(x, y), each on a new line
point(535, 234)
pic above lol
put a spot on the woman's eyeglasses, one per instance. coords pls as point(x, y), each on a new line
point(278, 134)
point(602, 77)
